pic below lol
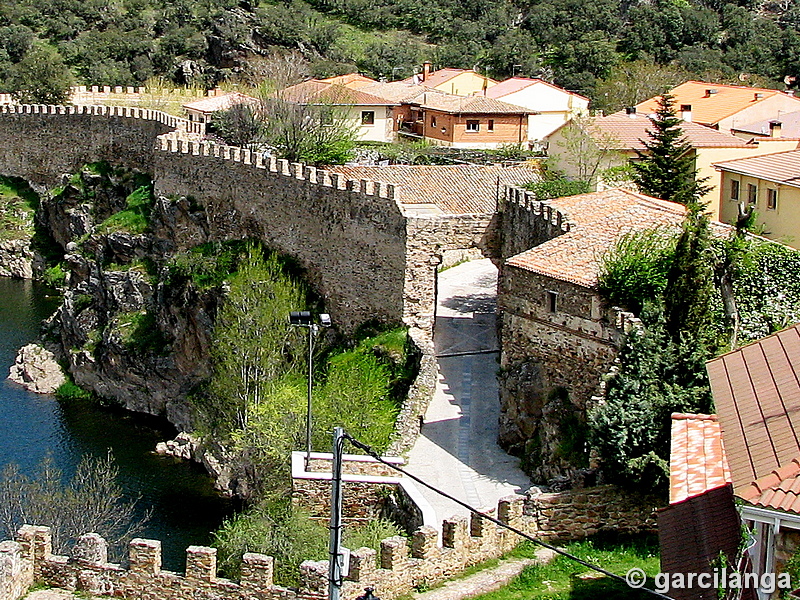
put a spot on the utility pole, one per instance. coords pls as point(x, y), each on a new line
point(335, 574)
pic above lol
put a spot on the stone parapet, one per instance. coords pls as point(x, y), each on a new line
point(396, 570)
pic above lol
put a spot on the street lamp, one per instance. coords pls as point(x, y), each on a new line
point(303, 318)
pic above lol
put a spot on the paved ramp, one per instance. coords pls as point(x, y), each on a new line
point(457, 450)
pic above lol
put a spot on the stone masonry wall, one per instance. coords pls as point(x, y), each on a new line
point(552, 363)
point(44, 142)
point(395, 570)
point(349, 236)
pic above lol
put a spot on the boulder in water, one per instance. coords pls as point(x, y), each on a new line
point(37, 370)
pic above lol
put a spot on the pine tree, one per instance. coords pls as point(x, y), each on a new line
point(666, 169)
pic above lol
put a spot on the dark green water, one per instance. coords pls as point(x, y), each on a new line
point(185, 508)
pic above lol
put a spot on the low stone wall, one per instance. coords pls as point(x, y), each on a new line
point(395, 570)
point(581, 513)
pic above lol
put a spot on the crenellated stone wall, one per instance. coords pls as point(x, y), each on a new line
point(395, 570)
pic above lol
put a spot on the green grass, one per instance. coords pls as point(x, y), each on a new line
point(18, 202)
point(135, 217)
point(565, 579)
point(140, 333)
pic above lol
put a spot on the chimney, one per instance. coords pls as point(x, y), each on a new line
point(686, 112)
point(710, 92)
point(630, 111)
point(775, 129)
point(426, 70)
point(758, 96)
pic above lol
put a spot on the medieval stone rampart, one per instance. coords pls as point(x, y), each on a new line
point(396, 570)
point(527, 222)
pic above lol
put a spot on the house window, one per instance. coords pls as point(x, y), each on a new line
point(752, 193)
point(473, 125)
point(368, 117)
point(772, 199)
point(735, 189)
point(490, 126)
point(433, 121)
point(552, 301)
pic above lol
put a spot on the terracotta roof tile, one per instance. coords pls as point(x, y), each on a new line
point(223, 102)
point(626, 132)
point(710, 109)
point(781, 167)
point(315, 91)
point(450, 103)
point(454, 189)
point(596, 220)
point(790, 126)
point(351, 80)
point(436, 78)
point(394, 91)
point(757, 395)
point(697, 456)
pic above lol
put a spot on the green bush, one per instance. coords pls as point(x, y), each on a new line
point(207, 265)
point(135, 218)
point(140, 333)
point(70, 391)
point(634, 270)
point(55, 276)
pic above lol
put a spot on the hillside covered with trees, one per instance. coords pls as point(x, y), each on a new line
point(615, 51)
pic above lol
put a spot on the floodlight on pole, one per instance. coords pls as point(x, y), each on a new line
point(304, 318)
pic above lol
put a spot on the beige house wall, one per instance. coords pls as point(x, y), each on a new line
point(465, 84)
point(768, 108)
point(555, 107)
point(381, 131)
point(781, 224)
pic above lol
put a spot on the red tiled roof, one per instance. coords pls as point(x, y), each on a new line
point(756, 391)
point(515, 84)
point(710, 109)
point(596, 220)
point(697, 460)
point(455, 189)
point(223, 102)
point(780, 167)
point(790, 127)
point(351, 80)
point(624, 132)
point(450, 103)
point(318, 92)
point(780, 489)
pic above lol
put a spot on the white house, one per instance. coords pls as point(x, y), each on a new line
point(553, 106)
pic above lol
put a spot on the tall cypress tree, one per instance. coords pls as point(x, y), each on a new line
point(666, 169)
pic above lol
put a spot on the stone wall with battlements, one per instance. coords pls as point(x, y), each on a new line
point(558, 339)
point(397, 569)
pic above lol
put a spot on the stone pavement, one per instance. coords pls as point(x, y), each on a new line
point(486, 581)
point(457, 450)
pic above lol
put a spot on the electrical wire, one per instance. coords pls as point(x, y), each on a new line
point(519, 532)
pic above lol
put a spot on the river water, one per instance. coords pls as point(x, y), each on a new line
point(184, 506)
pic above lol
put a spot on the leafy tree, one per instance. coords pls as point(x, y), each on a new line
point(240, 125)
point(632, 82)
point(40, 77)
point(666, 169)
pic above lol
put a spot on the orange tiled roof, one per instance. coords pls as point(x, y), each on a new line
point(450, 103)
point(756, 391)
point(315, 91)
point(215, 103)
point(710, 109)
point(596, 220)
point(351, 80)
point(780, 489)
point(697, 461)
point(626, 132)
point(454, 189)
point(780, 167)
point(395, 91)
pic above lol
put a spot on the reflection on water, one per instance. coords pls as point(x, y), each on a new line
point(185, 508)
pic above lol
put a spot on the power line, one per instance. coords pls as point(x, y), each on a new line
point(490, 518)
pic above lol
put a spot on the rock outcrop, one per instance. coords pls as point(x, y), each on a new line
point(37, 370)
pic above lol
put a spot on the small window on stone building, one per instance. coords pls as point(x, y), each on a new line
point(552, 301)
point(433, 121)
point(473, 125)
point(752, 193)
point(368, 117)
point(490, 126)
